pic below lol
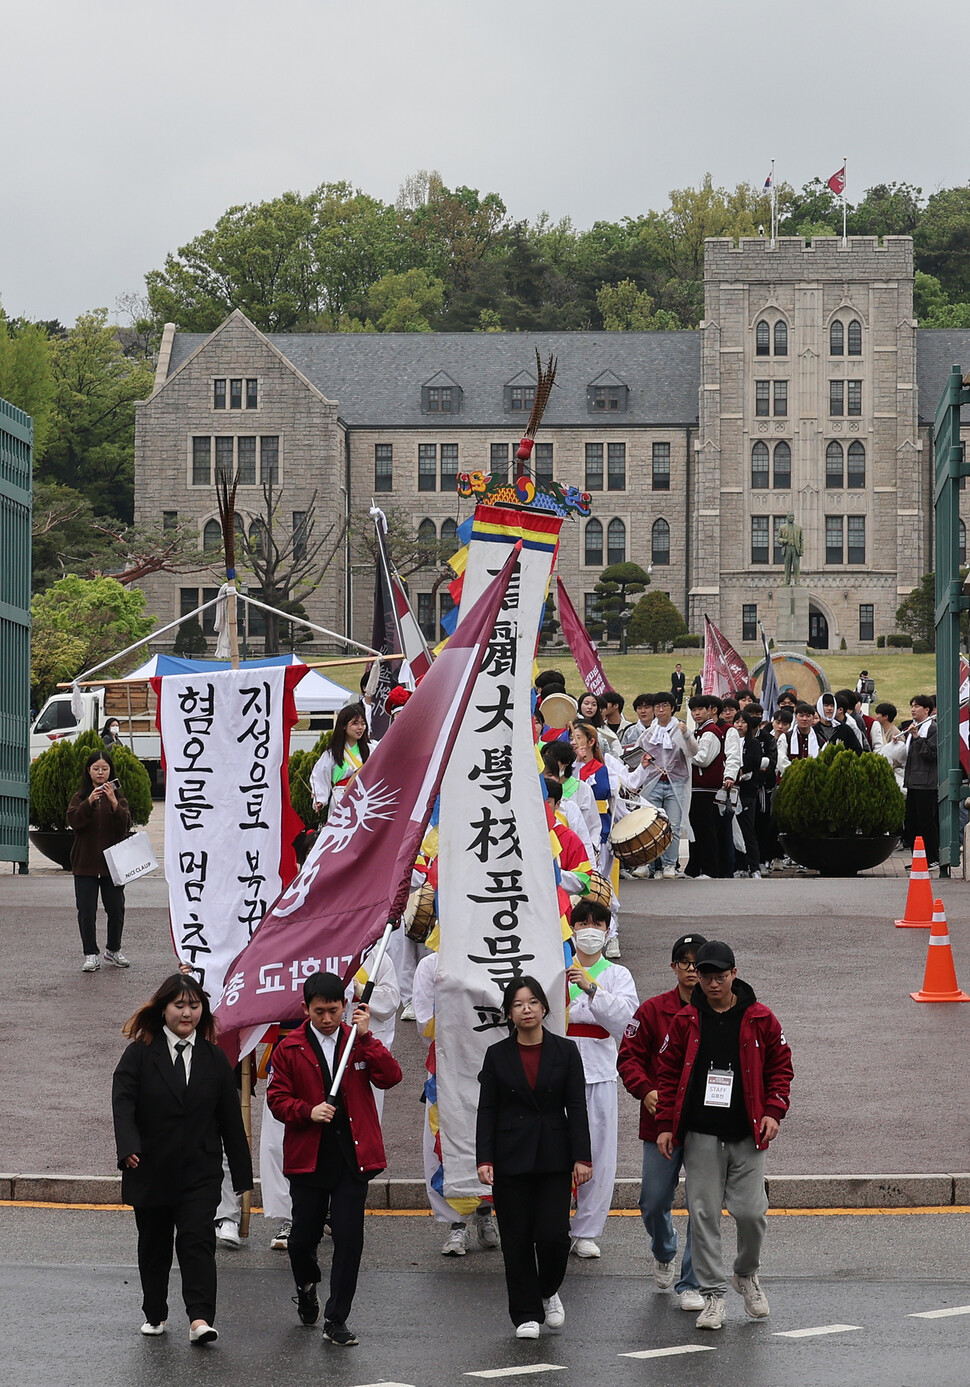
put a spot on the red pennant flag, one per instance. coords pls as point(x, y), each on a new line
point(357, 875)
point(837, 182)
point(724, 670)
point(581, 647)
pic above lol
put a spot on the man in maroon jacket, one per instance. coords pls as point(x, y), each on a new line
point(637, 1066)
point(724, 1078)
point(330, 1149)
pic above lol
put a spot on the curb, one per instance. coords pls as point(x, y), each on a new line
point(784, 1191)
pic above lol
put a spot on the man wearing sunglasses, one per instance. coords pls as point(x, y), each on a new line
point(723, 1084)
point(637, 1066)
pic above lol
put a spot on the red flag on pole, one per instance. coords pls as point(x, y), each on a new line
point(724, 670)
point(837, 182)
point(580, 645)
point(965, 715)
point(357, 876)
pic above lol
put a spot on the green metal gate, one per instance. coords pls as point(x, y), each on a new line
point(16, 440)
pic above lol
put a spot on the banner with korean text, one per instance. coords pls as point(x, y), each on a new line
point(581, 647)
point(497, 904)
point(229, 826)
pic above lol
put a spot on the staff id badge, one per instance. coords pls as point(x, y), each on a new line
point(717, 1094)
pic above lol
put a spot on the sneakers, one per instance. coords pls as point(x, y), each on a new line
point(205, 1334)
point(755, 1300)
point(227, 1233)
point(703, 876)
point(755, 876)
point(282, 1236)
point(663, 1275)
point(408, 1013)
point(555, 1314)
point(307, 1305)
point(116, 958)
point(455, 1241)
point(639, 873)
point(528, 1330)
point(691, 1300)
point(713, 1314)
point(584, 1247)
point(150, 1330)
point(669, 873)
point(612, 949)
point(91, 963)
point(336, 1333)
point(486, 1228)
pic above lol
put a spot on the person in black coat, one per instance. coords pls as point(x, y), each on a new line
point(172, 1120)
point(532, 1141)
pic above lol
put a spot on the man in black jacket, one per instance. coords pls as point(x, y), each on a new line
point(920, 780)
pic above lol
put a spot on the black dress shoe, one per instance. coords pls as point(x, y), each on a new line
point(307, 1305)
point(336, 1333)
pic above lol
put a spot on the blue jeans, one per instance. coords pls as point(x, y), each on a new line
point(662, 795)
point(657, 1189)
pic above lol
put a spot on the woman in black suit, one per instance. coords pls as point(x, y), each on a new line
point(532, 1142)
point(175, 1107)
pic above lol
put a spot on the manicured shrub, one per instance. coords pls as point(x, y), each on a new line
point(300, 765)
point(899, 640)
point(839, 793)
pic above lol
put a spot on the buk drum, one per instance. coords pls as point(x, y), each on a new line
point(599, 890)
point(641, 836)
point(419, 916)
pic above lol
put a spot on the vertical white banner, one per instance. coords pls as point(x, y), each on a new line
point(223, 739)
point(497, 902)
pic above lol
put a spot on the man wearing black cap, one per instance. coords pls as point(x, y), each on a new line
point(724, 1077)
point(637, 1065)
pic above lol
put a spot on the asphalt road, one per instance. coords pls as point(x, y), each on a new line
point(880, 1081)
point(850, 1296)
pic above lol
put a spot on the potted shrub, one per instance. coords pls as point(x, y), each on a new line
point(54, 780)
point(839, 812)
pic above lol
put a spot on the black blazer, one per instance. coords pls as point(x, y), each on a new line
point(179, 1137)
point(522, 1132)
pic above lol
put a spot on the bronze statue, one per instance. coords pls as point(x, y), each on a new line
point(793, 547)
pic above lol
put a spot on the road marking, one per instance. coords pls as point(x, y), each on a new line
point(519, 1372)
point(819, 1329)
point(669, 1352)
point(940, 1314)
point(388, 1384)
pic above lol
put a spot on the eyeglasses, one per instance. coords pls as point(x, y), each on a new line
point(525, 1006)
point(716, 977)
point(686, 963)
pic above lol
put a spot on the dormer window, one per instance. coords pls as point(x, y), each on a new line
point(520, 394)
point(439, 399)
point(441, 395)
point(607, 394)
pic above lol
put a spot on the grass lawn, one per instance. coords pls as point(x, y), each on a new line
point(898, 675)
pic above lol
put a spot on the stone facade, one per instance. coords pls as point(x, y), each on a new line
point(807, 389)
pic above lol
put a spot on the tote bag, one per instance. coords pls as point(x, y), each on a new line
point(131, 858)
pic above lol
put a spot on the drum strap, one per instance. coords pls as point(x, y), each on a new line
point(592, 1032)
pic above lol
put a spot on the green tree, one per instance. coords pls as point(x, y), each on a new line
point(625, 308)
point(26, 378)
point(190, 639)
point(916, 613)
point(99, 615)
point(616, 583)
point(941, 241)
point(406, 302)
point(933, 307)
point(655, 622)
point(91, 445)
point(887, 209)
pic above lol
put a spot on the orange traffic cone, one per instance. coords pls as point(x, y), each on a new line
point(940, 978)
point(919, 903)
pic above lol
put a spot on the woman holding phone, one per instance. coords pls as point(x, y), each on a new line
point(99, 816)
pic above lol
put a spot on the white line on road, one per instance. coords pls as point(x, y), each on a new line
point(940, 1314)
point(387, 1384)
point(669, 1352)
point(519, 1372)
point(819, 1329)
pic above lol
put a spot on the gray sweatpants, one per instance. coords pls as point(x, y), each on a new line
point(728, 1175)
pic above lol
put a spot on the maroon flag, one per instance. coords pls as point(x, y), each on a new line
point(580, 645)
point(837, 182)
point(357, 876)
point(724, 670)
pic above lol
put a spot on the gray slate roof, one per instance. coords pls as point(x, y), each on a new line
point(376, 378)
point(938, 350)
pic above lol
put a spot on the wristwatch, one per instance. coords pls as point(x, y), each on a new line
point(592, 990)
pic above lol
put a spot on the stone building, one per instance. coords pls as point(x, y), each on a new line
point(807, 390)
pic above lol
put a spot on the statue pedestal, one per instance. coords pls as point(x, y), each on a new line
point(791, 624)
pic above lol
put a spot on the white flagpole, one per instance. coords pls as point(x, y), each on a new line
point(844, 180)
point(774, 207)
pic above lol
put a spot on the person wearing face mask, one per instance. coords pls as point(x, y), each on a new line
point(602, 1000)
point(111, 734)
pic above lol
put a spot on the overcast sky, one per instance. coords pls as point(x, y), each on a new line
point(129, 127)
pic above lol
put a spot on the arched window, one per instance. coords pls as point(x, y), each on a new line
point(212, 536)
point(616, 542)
point(962, 550)
point(762, 339)
point(660, 542)
point(856, 470)
point(594, 544)
point(427, 533)
point(855, 338)
point(833, 466)
point(257, 536)
point(836, 338)
point(782, 471)
point(449, 532)
point(759, 466)
point(781, 338)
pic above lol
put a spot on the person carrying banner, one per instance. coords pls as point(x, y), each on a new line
point(602, 1001)
point(637, 1066)
point(349, 748)
point(532, 1142)
point(330, 1149)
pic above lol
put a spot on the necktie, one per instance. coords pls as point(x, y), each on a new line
point(181, 1078)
